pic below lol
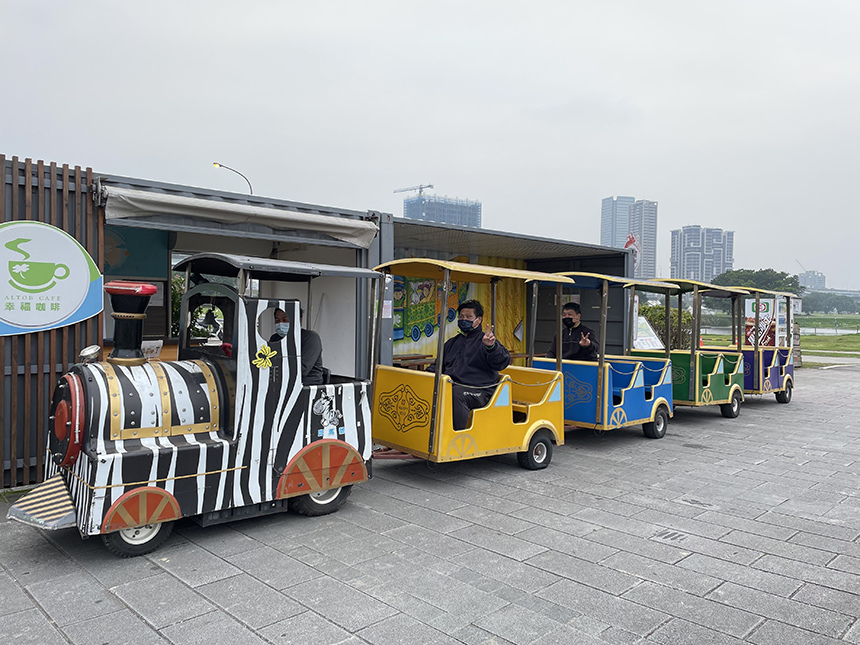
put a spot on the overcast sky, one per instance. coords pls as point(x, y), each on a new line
point(740, 114)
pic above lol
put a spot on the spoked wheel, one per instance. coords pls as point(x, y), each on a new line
point(128, 543)
point(321, 502)
point(785, 395)
point(656, 429)
point(539, 453)
point(732, 409)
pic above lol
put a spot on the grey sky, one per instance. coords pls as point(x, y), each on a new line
point(740, 113)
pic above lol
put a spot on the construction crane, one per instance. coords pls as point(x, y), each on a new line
point(801, 266)
point(420, 189)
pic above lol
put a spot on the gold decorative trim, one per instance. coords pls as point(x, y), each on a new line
point(150, 481)
point(123, 316)
point(126, 362)
point(114, 405)
point(214, 402)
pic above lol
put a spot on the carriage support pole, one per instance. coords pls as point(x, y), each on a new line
point(440, 358)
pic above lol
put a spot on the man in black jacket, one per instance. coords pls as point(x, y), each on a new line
point(312, 364)
point(578, 342)
point(472, 359)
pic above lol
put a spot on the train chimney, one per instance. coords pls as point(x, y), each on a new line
point(128, 301)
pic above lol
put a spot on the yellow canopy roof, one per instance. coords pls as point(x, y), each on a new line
point(781, 294)
point(464, 272)
point(587, 280)
point(713, 290)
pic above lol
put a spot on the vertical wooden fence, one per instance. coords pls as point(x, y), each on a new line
point(32, 363)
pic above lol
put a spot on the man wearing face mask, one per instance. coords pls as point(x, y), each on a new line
point(472, 359)
point(312, 364)
point(578, 342)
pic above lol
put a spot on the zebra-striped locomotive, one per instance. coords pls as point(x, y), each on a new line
point(227, 431)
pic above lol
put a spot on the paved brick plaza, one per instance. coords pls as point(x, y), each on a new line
point(725, 531)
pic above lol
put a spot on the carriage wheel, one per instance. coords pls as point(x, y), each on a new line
point(139, 540)
point(732, 409)
point(539, 453)
point(785, 395)
point(656, 429)
point(320, 503)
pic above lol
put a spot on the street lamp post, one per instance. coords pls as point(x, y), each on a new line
point(220, 165)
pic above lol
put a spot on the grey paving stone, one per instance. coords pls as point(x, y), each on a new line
point(250, 601)
point(118, 628)
point(617, 522)
point(682, 632)
point(507, 545)
point(845, 563)
point(162, 600)
point(613, 610)
point(777, 547)
point(670, 575)
point(13, 597)
point(73, 598)
point(810, 573)
point(272, 567)
point(517, 624)
point(555, 521)
point(508, 571)
point(706, 546)
point(831, 545)
point(369, 518)
point(553, 611)
point(853, 634)
point(685, 524)
point(593, 575)
point(816, 527)
point(569, 636)
point(643, 546)
point(221, 540)
point(492, 520)
point(110, 570)
point(37, 562)
point(471, 635)
point(420, 516)
point(748, 576)
point(700, 611)
point(431, 541)
point(399, 599)
point(192, 564)
point(815, 619)
point(569, 544)
point(343, 605)
point(214, 627)
point(775, 633)
point(403, 630)
point(750, 526)
point(29, 627)
point(832, 599)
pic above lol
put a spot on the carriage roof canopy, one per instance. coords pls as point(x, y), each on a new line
point(229, 265)
point(464, 272)
point(594, 280)
point(768, 292)
point(710, 290)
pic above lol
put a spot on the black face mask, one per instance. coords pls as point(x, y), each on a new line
point(568, 322)
point(465, 325)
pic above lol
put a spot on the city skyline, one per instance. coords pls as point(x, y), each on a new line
point(701, 253)
point(443, 209)
point(741, 117)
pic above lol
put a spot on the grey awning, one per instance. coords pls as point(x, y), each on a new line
point(137, 205)
point(225, 264)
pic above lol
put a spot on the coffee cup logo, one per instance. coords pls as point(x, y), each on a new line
point(33, 277)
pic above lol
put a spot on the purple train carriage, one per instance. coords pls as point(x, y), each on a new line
point(228, 431)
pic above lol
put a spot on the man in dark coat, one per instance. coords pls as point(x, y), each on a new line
point(578, 342)
point(312, 364)
point(472, 359)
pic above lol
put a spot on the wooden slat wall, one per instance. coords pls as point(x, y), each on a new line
point(33, 362)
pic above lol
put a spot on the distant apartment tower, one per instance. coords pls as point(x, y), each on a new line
point(812, 280)
point(445, 210)
point(701, 253)
point(614, 220)
point(643, 225)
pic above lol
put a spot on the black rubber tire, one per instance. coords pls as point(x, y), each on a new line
point(656, 429)
point(732, 409)
point(785, 395)
point(140, 540)
point(539, 453)
point(322, 503)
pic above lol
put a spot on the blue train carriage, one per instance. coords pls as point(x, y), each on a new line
point(616, 391)
point(768, 354)
point(228, 431)
point(412, 410)
point(704, 375)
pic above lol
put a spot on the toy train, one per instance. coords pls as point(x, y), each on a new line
point(228, 431)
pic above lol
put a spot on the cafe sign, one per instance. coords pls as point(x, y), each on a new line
point(47, 279)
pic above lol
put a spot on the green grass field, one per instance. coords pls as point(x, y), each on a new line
point(847, 343)
point(824, 321)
